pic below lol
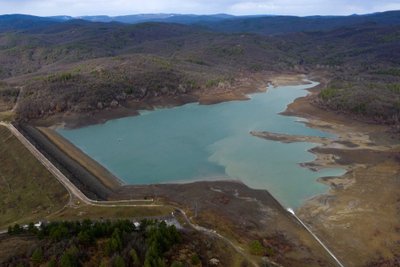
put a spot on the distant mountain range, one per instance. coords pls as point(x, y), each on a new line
point(265, 24)
point(139, 18)
point(268, 25)
point(24, 22)
point(20, 21)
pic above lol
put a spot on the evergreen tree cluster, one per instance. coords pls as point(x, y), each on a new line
point(108, 243)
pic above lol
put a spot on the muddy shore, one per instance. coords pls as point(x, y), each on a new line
point(231, 208)
point(359, 218)
point(367, 193)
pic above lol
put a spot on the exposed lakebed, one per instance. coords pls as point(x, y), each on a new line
point(205, 142)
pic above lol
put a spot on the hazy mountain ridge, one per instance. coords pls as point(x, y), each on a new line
point(289, 24)
point(260, 24)
point(17, 22)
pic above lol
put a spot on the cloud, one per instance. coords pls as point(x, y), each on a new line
point(312, 7)
point(238, 7)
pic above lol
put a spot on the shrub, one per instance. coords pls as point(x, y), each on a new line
point(177, 264)
point(84, 238)
point(70, 257)
point(60, 77)
point(327, 93)
point(52, 262)
point(134, 257)
point(256, 248)
point(37, 256)
point(119, 261)
point(195, 260)
point(58, 233)
point(17, 229)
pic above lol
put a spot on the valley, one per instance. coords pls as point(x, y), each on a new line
point(60, 77)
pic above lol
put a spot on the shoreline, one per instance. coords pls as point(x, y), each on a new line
point(322, 151)
point(108, 178)
point(77, 154)
point(240, 91)
point(211, 202)
point(368, 192)
point(351, 143)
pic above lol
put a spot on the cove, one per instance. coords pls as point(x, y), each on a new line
point(205, 142)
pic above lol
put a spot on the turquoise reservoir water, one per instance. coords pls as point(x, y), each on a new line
point(197, 142)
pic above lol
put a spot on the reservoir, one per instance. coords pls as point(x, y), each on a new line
point(206, 142)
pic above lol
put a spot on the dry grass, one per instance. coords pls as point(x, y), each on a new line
point(28, 191)
point(122, 212)
point(7, 115)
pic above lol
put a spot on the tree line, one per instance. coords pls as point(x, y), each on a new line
point(103, 243)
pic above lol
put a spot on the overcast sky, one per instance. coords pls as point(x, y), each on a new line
point(236, 7)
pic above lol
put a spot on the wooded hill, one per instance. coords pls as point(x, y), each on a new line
point(57, 65)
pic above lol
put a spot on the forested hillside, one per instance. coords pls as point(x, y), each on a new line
point(53, 66)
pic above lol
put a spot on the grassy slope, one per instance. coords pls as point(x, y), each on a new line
point(28, 191)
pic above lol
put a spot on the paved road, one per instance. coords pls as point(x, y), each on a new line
point(316, 237)
point(73, 191)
